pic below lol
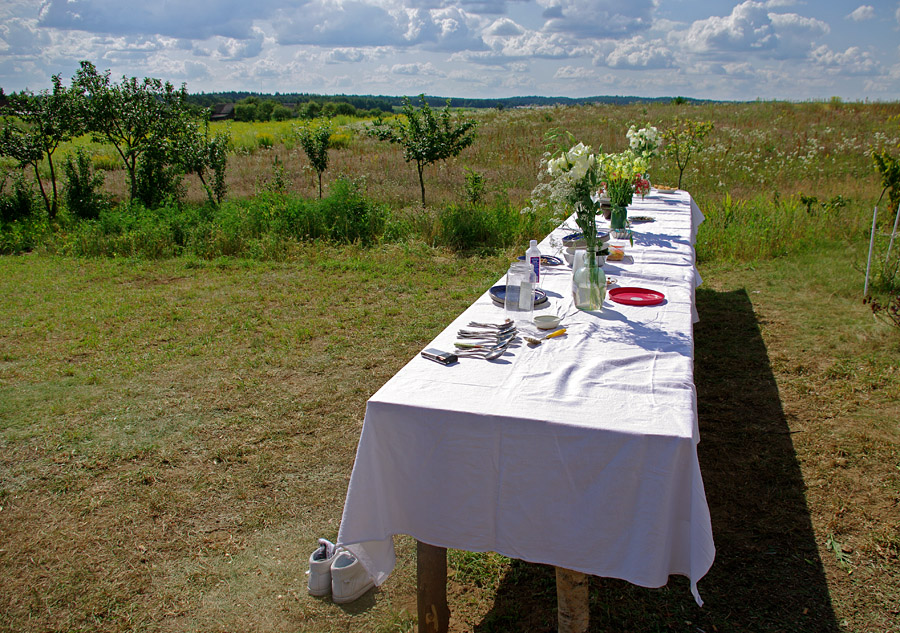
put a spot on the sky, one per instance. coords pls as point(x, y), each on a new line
point(708, 49)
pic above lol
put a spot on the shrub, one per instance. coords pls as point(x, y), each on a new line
point(24, 235)
point(82, 192)
point(464, 227)
point(348, 216)
point(264, 140)
point(341, 140)
point(157, 181)
point(281, 113)
point(474, 186)
point(19, 204)
point(126, 231)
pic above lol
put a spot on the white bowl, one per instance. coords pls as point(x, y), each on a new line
point(546, 321)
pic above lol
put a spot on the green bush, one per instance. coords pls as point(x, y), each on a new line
point(18, 204)
point(349, 216)
point(157, 181)
point(126, 231)
point(464, 227)
point(24, 235)
point(264, 140)
point(341, 140)
point(82, 192)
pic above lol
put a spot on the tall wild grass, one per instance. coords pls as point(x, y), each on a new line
point(763, 163)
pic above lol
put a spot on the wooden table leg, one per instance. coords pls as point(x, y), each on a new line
point(572, 601)
point(431, 594)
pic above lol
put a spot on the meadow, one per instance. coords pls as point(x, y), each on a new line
point(181, 391)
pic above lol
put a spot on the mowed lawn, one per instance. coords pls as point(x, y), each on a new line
point(174, 436)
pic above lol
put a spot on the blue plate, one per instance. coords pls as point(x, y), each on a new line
point(546, 260)
point(573, 238)
point(498, 294)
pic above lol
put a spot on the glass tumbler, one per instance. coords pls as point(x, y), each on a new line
point(520, 286)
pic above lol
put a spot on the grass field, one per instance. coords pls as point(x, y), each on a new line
point(176, 433)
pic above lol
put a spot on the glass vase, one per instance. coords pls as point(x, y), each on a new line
point(588, 281)
point(618, 218)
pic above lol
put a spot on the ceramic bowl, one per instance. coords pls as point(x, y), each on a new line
point(546, 321)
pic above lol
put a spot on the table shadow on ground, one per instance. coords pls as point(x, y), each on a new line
point(767, 575)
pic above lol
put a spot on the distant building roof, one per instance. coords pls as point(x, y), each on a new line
point(222, 111)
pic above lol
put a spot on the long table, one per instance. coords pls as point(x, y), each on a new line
point(579, 453)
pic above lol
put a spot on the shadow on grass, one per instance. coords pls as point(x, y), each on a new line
point(767, 575)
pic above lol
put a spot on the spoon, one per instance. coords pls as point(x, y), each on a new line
point(540, 339)
point(495, 326)
point(492, 336)
point(482, 353)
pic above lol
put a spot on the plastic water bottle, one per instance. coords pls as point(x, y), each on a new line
point(533, 257)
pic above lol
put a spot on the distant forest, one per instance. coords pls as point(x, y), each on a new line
point(388, 104)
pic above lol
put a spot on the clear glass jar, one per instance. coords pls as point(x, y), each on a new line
point(521, 283)
point(588, 281)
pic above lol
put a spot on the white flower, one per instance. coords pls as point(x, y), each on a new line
point(557, 166)
point(645, 141)
point(577, 152)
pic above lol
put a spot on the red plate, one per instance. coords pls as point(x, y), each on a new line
point(636, 296)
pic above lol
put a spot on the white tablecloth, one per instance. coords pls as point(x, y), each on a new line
point(579, 453)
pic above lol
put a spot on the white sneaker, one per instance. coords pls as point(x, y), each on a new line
point(320, 560)
point(349, 579)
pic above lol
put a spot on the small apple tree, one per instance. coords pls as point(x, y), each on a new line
point(35, 127)
point(315, 141)
point(138, 118)
point(426, 136)
point(683, 140)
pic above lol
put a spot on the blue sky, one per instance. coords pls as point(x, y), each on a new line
point(771, 49)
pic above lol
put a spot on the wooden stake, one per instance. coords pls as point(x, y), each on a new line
point(572, 601)
point(869, 258)
point(431, 595)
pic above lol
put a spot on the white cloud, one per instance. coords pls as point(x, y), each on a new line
point(597, 18)
point(198, 19)
point(480, 7)
point(234, 49)
point(445, 30)
point(416, 69)
point(861, 13)
point(527, 45)
point(574, 72)
point(22, 37)
point(504, 27)
point(351, 55)
point(753, 28)
point(639, 53)
point(852, 61)
point(341, 23)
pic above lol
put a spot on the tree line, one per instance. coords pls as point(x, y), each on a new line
point(159, 135)
point(156, 133)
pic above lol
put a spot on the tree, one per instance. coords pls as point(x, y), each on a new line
point(684, 140)
point(315, 140)
point(136, 117)
point(47, 120)
point(281, 113)
point(245, 112)
point(197, 152)
point(264, 110)
point(425, 137)
point(888, 168)
point(312, 110)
